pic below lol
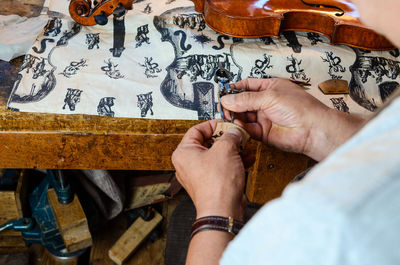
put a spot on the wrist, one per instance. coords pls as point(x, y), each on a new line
point(236, 212)
point(331, 131)
point(216, 223)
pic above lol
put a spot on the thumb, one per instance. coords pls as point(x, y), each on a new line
point(229, 141)
point(246, 101)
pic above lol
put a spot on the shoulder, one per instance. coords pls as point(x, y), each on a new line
point(343, 212)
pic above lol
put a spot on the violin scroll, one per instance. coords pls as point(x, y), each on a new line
point(87, 13)
point(80, 7)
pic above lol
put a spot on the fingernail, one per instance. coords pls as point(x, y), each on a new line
point(228, 99)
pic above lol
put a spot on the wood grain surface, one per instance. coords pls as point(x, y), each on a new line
point(11, 209)
point(38, 140)
point(271, 173)
point(34, 140)
point(132, 238)
point(149, 252)
point(71, 221)
point(24, 8)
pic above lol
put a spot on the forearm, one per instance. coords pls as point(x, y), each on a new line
point(206, 247)
point(331, 131)
point(214, 178)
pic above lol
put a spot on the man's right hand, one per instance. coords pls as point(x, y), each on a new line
point(281, 113)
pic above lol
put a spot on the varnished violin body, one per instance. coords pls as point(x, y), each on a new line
point(336, 19)
point(87, 13)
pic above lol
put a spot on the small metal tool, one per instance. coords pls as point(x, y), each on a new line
point(223, 77)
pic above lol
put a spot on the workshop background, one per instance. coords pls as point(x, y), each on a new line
point(157, 61)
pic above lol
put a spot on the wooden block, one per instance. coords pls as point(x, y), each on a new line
point(132, 238)
point(226, 126)
point(11, 209)
point(149, 188)
point(334, 86)
point(144, 195)
point(104, 238)
point(271, 173)
point(8, 207)
point(21, 194)
point(72, 222)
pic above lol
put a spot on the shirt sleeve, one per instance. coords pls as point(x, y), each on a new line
point(345, 211)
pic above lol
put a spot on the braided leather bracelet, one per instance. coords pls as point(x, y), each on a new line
point(224, 224)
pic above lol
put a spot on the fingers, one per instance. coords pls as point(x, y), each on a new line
point(251, 117)
point(246, 101)
point(259, 84)
point(261, 94)
point(250, 84)
point(248, 157)
point(199, 133)
point(229, 141)
point(254, 99)
point(255, 130)
point(241, 117)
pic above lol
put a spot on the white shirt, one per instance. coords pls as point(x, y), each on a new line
point(346, 210)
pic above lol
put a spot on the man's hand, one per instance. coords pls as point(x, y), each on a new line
point(213, 177)
point(280, 113)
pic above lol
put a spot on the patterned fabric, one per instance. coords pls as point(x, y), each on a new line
point(159, 60)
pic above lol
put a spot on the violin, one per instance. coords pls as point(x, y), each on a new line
point(336, 19)
point(87, 13)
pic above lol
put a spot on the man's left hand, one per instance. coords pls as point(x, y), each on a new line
point(213, 176)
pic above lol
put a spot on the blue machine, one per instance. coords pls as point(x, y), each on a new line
point(42, 226)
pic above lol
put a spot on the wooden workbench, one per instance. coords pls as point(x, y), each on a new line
point(32, 140)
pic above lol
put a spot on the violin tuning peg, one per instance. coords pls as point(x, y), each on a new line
point(119, 11)
point(101, 19)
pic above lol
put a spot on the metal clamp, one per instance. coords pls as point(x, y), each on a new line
point(22, 224)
